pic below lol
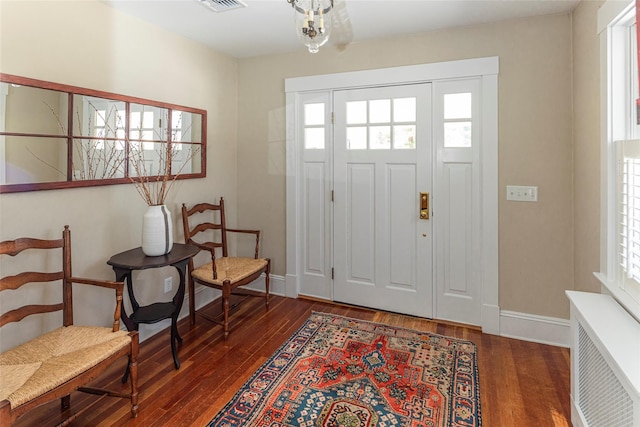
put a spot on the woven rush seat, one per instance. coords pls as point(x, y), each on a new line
point(232, 269)
point(42, 364)
point(205, 227)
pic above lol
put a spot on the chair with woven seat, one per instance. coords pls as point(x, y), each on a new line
point(205, 227)
point(55, 364)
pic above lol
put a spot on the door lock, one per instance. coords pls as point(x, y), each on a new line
point(424, 205)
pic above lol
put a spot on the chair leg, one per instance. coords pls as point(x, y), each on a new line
point(192, 301)
point(226, 294)
point(266, 283)
point(5, 413)
point(133, 374)
point(65, 402)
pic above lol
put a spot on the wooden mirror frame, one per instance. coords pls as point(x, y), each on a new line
point(69, 136)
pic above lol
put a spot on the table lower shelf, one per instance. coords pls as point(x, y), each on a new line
point(153, 313)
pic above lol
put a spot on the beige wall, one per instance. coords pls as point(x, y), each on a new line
point(535, 142)
point(586, 140)
point(91, 45)
point(540, 142)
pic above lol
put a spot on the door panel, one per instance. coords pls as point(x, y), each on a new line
point(359, 211)
point(313, 132)
point(457, 140)
point(401, 193)
point(382, 160)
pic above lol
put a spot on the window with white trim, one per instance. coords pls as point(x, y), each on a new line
point(621, 269)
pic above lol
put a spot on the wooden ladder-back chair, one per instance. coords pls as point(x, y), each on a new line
point(205, 227)
point(52, 365)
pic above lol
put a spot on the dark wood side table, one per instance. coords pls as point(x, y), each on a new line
point(125, 263)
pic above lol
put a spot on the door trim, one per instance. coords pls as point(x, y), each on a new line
point(487, 69)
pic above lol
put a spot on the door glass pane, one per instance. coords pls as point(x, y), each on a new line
point(356, 112)
point(457, 134)
point(380, 111)
point(457, 106)
point(314, 138)
point(404, 136)
point(357, 138)
point(380, 137)
point(314, 114)
point(404, 110)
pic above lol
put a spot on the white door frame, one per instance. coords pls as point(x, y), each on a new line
point(487, 69)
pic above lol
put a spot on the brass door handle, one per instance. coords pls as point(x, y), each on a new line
point(424, 205)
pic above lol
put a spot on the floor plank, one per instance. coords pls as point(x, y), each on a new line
point(521, 383)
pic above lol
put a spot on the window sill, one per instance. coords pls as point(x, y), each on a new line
point(628, 303)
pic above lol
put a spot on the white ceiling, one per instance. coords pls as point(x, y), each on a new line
point(266, 26)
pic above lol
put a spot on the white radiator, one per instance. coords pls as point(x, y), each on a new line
point(605, 363)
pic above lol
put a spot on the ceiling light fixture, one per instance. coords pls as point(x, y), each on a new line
point(312, 21)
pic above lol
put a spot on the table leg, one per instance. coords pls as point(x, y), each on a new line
point(174, 338)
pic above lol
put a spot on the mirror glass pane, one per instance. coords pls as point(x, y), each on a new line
point(98, 159)
point(34, 110)
point(148, 123)
point(147, 158)
point(31, 160)
point(98, 117)
point(186, 159)
point(186, 126)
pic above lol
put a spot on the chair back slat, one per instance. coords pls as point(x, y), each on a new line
point(55, 252)
point(214, 221)
point(203, 207)
point(27, 310)
point(14, 282)
point(14, 247)
point(205, 226)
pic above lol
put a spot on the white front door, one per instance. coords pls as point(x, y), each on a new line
point(382, 163)
point(353, 232)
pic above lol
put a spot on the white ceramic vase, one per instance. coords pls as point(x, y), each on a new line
point(157, 231)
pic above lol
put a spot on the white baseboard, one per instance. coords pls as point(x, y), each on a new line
point(531, 327)
point(276, 285)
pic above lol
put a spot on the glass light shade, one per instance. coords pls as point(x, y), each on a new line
point(312, 20)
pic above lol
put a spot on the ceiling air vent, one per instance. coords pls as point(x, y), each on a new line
point(223, 5)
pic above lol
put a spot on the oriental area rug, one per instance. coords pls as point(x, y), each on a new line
point(342, 372)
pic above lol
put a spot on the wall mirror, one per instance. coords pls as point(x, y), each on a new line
point(59, 136)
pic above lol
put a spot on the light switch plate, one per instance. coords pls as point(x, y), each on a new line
point(522, 193)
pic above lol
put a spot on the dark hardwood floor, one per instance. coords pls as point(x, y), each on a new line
point(521, 383)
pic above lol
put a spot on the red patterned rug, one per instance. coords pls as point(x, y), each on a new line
point(336, 371)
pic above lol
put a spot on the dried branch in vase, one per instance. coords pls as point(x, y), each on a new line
point(153, 166)
point(100, 157)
